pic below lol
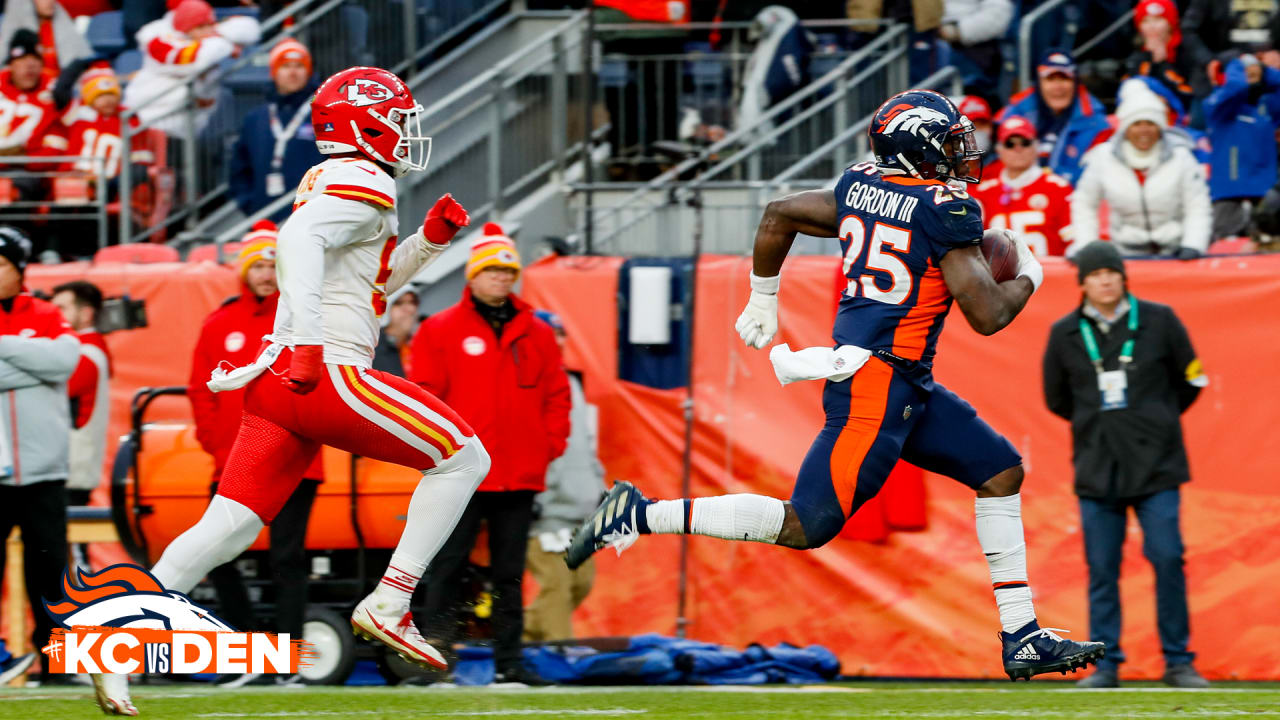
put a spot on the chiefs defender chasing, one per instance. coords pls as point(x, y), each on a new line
point(312, 385)
point(911, 247)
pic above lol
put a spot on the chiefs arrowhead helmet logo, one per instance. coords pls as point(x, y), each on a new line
point(363, 92)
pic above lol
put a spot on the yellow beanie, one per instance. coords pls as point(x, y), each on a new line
point(258, 244)
point(493, 250)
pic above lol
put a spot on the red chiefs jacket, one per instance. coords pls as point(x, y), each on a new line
point(232, 333)
point(512, 390)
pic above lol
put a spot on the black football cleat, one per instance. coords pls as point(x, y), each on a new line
point(613, 524)
point(1034, 650)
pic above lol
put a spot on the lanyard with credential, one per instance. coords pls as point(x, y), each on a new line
point(282, 135)
point(1126, 351)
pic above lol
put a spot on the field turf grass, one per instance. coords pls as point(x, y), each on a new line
point(850, 700)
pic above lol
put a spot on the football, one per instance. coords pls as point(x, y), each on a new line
point(1001, 255)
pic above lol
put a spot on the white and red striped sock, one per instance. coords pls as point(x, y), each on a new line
point(399, 581)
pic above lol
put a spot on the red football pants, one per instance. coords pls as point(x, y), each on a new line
point(365, 412)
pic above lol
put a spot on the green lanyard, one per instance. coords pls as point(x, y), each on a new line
point(1126, 351)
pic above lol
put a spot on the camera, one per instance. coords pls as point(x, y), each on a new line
point(122, 313)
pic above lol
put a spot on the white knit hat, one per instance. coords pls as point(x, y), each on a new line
point(1139, 102)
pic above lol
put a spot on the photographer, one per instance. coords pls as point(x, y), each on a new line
point(38, 353)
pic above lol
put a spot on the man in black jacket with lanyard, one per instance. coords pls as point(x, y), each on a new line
point(1122, 370)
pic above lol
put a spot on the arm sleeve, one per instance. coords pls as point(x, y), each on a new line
point(1197, 220)
point(989, 22)
point(323, 222)
point(1186, 374)
point(82, 386)
point(50, 360)
point(1084, 207)
point(1223, 104)
point(557, 401)
point(204, 406)
point(1057, 385)
point(408, 259)
point(11, 378)
point(188, 58)
point(427, 362)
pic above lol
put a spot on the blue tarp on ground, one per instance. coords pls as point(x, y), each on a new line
point(656, 660)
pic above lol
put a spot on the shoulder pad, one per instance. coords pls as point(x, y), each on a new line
point(359, 180)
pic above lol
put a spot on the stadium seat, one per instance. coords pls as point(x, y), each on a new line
point(72, 191)
point(106, 33)
point(127, 63)
point(209, 253)
point(1232, 246)
point(136, 253)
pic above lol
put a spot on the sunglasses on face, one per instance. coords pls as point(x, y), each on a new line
point(1016, 142)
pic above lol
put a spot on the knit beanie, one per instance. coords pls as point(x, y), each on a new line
point(15, 247)
point(1097, 255)
point(1140, 102)
point(258, 244)
point(98, 82)
point(288, 50)
point(493, 250)
point(191, 14)
point(24, 42)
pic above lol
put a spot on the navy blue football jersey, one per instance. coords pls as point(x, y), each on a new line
point(893, 232)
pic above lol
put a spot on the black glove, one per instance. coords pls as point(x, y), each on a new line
point(1188, 253)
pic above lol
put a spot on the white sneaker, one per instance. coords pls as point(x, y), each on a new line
point(393, 626)
point(112, 692)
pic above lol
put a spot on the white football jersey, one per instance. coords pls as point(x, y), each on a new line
point(337, 260)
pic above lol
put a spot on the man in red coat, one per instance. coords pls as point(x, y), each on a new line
point(499, 367)
point(232, 334)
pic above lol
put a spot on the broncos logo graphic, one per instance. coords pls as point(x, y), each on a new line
point(910, 118)
point(126, 596)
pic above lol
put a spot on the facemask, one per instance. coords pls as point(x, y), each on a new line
point(982, 138)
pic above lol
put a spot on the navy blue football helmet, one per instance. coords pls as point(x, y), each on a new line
point(921, 133)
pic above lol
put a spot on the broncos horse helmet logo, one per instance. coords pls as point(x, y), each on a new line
point(911, 118)
point(127, 596)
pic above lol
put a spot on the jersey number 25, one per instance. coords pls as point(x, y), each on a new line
point(886, 242)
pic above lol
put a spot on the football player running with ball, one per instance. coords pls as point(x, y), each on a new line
point(311, 383)
point(911, 246)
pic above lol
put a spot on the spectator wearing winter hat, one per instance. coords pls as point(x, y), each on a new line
point(60, 43)
point(38, 353)
point(1155, 190)
point(399, 323)
point(1023, 196)
point(233, 334)
point(185, 45)
point(277, 144)
point(499, 367)
point(1242, 118)
point(26, 96)
point(1066, 117)
point(1160, 54)
point(1213, 27)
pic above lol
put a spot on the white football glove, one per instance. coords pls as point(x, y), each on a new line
point(1028, 266)
point(758, 322)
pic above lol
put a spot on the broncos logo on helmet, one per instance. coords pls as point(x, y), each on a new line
point(126, 596)
point(921, 133)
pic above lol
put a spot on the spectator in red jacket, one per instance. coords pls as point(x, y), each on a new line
point(490, 359)
point(1023, 196)
point(80, 302)
point(232, 334)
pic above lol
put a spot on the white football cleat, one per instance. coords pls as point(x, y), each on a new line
point(112, 692)
point(374, 621)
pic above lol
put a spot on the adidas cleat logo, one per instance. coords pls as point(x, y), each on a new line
point(1027, 653)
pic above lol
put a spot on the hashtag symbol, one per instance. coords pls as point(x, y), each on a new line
point(53, 650)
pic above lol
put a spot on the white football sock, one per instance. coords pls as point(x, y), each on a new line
point(999, 522)
point(226, 529)
point(437, 504)
point(757, 518)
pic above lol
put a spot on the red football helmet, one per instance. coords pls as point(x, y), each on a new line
point(370, 111)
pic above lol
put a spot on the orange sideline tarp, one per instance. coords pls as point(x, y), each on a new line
point(920, 604)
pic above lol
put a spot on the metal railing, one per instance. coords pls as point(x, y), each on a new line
point(398, 35)
point(48, 206)
point(855, 88)
point(1025, 30)
point(731, 209)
